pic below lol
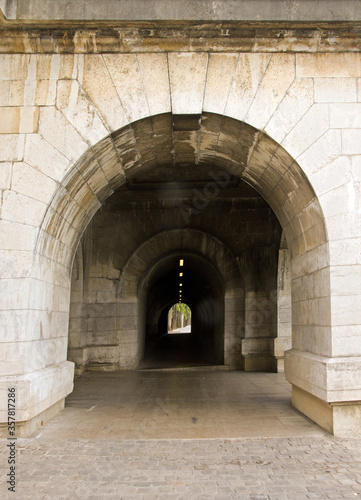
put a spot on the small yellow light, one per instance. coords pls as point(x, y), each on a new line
point(181, 262)
point(180, 274)
point(180, 284)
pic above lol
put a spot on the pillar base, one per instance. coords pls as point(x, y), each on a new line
point(25, 429)
point(327, 390)
point(340, 419)
point(38, 396)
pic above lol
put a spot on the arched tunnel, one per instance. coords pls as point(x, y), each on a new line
point(202, 290)
point(179, 201)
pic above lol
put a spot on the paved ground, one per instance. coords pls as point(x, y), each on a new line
point(84, 453)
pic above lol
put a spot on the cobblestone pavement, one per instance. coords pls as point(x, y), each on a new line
point(118, 438)
point(257, 469)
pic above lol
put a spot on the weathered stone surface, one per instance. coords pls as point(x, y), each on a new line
point(173, 122)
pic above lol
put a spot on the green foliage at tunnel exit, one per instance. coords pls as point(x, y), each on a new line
point(184, 309)
point(179, 315)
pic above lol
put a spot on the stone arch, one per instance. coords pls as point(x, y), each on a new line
point(204, 140)
point(211, 140)
point(221, 264)
point(169, 242)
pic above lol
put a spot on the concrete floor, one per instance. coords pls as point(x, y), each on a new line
point(180, 404)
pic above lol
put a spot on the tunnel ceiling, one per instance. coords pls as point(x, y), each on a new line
point(179, 186)
point(192, 163)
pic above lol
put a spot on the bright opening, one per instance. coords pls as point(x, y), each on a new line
point(179, 319)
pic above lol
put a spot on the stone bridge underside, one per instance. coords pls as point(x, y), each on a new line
point(132, 138)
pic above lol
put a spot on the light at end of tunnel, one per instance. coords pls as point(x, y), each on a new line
point(181, 262)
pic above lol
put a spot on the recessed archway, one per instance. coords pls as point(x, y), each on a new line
point(224, 149)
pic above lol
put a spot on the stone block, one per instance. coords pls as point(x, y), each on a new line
point(128, 350)
point(351, 141)
point(12, 147)
point(80, 112)
point(328, 65)
point(20, 208)
point(29, 181)
point(32, 92)
point(294, 105)
point(310, 128)
point(331, 175)
point(101, 324)
point(99, 86)
point(5, 175)
point(127, 78)
point(127, 309)
point(344, 226)
point(345, 115)
point(221, 68)
point(345, 252)
point(45, 93)
point(126, 322)
point(4, 92)
point(15, 263)
point(127, 336)
point(305, 263)
point(75, 326)
point(57, 130)
point(335, 90)
point(246, 80)
point(100, 338)
point(101, 310)
point(254, 346)
point(187, 73)
point(15, 120)
point(346, 340)
point(14, 66)
point(280, 345)
point(345, 310)
point(37, 391)
point(100, 355)
point(27, 357)
point(15, 236)
point(154, 71)
point(19, 293)
point(78, 310)
point(276, 81)
point(323, 151)
point(337, 201)
point(51, 161)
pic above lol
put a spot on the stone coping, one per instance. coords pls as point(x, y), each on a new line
point(247, 10)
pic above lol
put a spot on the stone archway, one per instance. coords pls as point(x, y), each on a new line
point(215, 141)
point(240, 151)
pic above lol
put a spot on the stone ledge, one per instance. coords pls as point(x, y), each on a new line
point(143, 37)
point(37, 391)
point(332, 380)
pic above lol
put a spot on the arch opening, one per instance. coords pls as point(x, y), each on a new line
point(202, 289)
point(175, 183)
point(179, 318)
